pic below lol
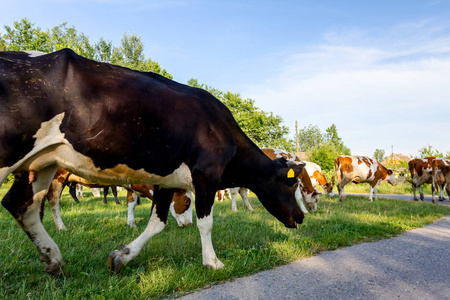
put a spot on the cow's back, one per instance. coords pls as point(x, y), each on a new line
point(111, 113)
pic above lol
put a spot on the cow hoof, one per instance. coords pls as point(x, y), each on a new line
point(214, 264)
point(115, 260)
point(54, 268)
point(132, 225)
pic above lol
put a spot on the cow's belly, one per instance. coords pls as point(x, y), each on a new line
point(52, 149)
point(419, 180)
point(69, 159)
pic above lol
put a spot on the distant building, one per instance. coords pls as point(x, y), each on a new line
point(397, 161)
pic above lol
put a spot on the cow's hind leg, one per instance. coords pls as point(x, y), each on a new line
point(422, 197)
point(73, 191)
point(158, 219)
point(243, 193)
point(23, 201)
point(414, 192)
point(114, 192)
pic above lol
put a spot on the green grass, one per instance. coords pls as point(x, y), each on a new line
point(170, 264)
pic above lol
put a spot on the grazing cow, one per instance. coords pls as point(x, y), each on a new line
point(118, 126)
point(359, 169)
point(180, 207)
point(305, 188)
point(317, 178)
point(421, 173)
point(440, 177)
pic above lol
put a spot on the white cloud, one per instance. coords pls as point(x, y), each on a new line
point(383, 93)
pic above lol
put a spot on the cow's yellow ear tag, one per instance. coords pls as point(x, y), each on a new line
point(291, 174)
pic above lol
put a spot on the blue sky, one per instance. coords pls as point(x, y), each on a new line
point(379, 70)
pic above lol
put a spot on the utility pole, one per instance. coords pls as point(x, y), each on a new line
point(296, 134)
point(392, 154)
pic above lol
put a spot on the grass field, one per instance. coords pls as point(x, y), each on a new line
point(170, 264)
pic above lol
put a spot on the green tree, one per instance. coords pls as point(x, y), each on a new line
point(25, 36)
point(429, 151)
point(130, 54)
point(332, 136)
point(379, 155)
point(309, 137)
point(322, 148)
point(324, 155)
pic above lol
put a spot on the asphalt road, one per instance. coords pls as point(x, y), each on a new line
point(414, 265)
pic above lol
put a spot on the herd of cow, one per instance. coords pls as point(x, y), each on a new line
point(65, 119)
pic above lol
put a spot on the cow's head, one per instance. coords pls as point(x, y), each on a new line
point(328, 187)
point(390, 177)
point(181, 207)
point(311, 200)
point(277, 192)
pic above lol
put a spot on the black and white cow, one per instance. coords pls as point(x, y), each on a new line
point(117, 126)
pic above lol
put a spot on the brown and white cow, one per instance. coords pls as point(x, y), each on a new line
point(118, 126)
point(360, 169)
point(180, 208)
point(421, 173)
point(305, 188)
point(440, 177)
point(317, 177)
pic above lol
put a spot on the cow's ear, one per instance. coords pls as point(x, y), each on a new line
point(288, 171)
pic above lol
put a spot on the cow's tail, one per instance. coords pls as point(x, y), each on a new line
point(407, 179)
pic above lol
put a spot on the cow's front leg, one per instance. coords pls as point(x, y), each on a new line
point(433, 190)
point(54, 198)
point(205, 225)
point(23, 201)
point(233, 197)
point(131, 205)
point(205, 192)
point(373, 189)
point(158, 219)
point(441, 193)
